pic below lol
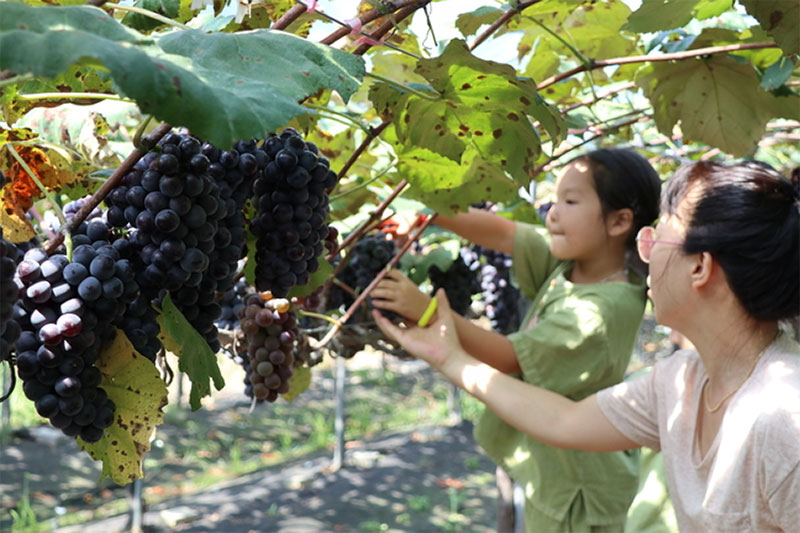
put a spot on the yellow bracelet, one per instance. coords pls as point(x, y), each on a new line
point(426, 316)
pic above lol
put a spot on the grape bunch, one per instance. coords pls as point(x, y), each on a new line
point(291, 198)
point(66, 310)
point(71, 209)
point(270, 329)
point(232, 302)
point(499, 293)
point(9, 328)
point(459, 282)
point(367, 258)
point(174, 207)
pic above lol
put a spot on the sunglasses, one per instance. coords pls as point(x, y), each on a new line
point(645, 242)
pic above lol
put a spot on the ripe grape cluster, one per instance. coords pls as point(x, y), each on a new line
point(459, 282)
point(270, 329)
point(9, 328)
point(174, 207)
point(292, 207)
point(367, 258)
point(66, 311)
point(70, 209)
point(500, 295)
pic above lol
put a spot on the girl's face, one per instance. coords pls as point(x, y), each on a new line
point(575, 220)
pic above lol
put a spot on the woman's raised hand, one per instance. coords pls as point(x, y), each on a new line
point(397, 293)
point(435, 343)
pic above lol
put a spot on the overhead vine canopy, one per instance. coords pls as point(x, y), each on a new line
point(405, 118)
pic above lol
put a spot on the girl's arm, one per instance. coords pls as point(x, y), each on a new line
point(481, 227)
point(542, 414)
point(397, 293)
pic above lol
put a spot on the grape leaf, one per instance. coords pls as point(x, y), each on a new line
point(195, 357)
point(780, 19)
point(232, 78)
point(482, 105)
point(449, 187)
point(468, 23)
point(717, 100)
point(298, 383)
point(138, 392)
point(655, 15)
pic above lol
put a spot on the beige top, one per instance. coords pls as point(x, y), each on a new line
point(750, 478)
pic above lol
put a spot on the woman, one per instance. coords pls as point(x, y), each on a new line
point(724, 271)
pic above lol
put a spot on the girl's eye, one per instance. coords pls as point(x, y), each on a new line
point(570, 202)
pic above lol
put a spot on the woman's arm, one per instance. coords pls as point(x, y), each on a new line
point(395, 292)
point(481, 227)
point(542, 414)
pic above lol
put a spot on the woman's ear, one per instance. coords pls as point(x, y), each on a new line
point(620, 222)
point(702, 270)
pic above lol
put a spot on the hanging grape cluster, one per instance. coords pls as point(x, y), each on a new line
point(499, 293)
point(270, 329)
point(292, 208)
point(459, 283)
point(367, 258)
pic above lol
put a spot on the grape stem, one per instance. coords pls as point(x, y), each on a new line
point(373, 133)
point(321, 317)
point(363, 296)
point(150, 14)
point(113, 180)
point(48, 194)
point(505, 17)
point(650, 58)
point(73, 96)
point(16, 79)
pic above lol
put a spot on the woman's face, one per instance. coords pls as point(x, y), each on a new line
point(669, 278)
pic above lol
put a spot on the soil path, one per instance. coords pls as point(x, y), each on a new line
point(432, 479)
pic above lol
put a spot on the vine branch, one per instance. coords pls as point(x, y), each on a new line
point(369, 16)
point(644, 59)
point(363, 296)
point(505, 17)
point(110, 183)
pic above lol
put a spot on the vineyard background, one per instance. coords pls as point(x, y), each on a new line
point(418, 106)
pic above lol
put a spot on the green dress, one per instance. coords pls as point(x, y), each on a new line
point(575, 340)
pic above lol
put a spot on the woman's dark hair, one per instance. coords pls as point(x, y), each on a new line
point(748, 216)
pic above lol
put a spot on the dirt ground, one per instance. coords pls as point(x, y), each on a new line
point(426, 478)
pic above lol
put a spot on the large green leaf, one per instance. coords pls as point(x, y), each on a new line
point(780, 18)
point(222, 87)
point(482, 105)
point(655, 15)
point(593, 29)
point(717, 100)
point(195, 357)
point(449, 187)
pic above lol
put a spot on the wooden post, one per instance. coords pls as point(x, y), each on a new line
point(338, 451)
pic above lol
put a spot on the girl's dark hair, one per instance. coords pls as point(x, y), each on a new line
point(748, 216)
point(625, 180)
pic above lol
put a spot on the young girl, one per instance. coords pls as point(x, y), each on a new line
point(724, 271)
point(577, 337)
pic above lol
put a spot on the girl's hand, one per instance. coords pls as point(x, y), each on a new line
point(397, 293)
point(436, 344)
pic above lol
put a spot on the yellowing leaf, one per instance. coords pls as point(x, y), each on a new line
point(16, 227)
point(298, 383)
point(718, 101)
point(133, 384)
